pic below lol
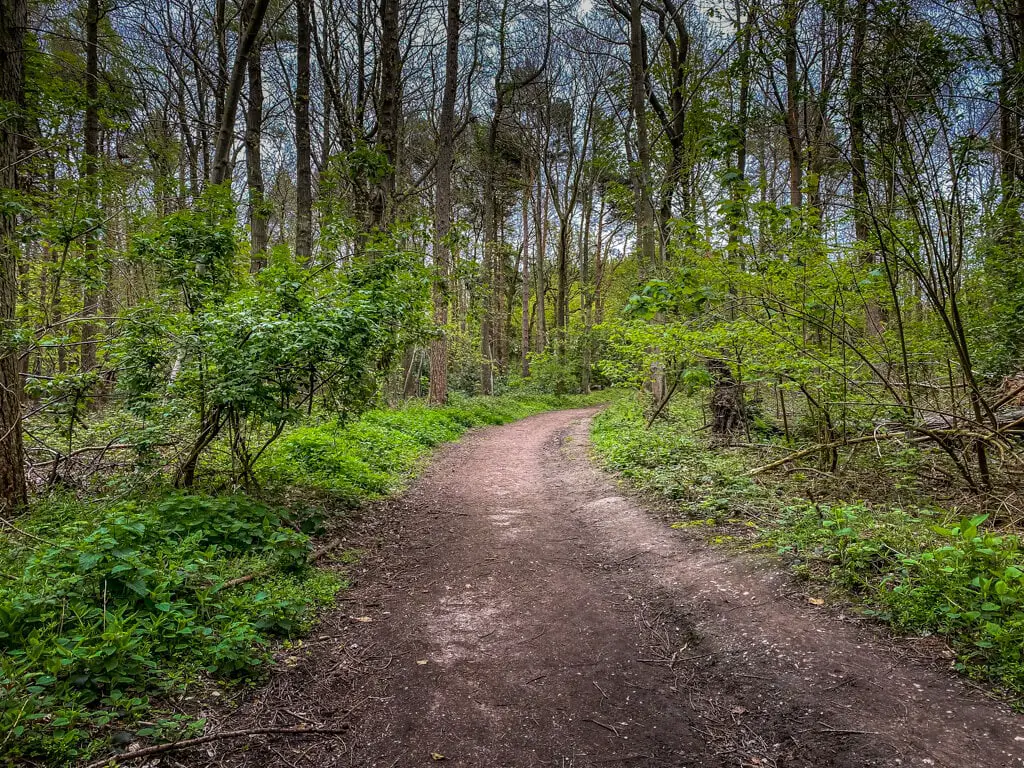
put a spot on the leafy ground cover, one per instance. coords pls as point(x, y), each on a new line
point(111, 609)
point(924, 568)
point(102, 617)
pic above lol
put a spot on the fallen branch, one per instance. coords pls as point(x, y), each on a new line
point(939, 436)
point(94, 449)
point(611, 728)
point(314, 557)
point(821, 447)
point(663, 403)
point(8, 524)
point(173, 746)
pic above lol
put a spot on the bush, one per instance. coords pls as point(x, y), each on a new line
point(670, 458)
point(923, 574)
point(133, 603)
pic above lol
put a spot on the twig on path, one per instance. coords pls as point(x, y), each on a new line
point(173, 746)
point(607, 727)
point(756, 677)
point(840, 684)
point(625, 560)
point(633, 756)
point(829, 729)
point(535, 637)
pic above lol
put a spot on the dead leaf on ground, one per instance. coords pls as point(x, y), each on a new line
point(815, 601)
point(437, 756)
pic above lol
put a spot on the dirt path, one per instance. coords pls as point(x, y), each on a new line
point(525, 613)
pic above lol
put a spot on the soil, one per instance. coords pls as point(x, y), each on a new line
point(517, 608)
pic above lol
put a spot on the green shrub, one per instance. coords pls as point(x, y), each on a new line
point(670, 458)
point(132, 603)
point(923, 574)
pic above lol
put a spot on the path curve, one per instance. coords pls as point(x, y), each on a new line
point(525, 612)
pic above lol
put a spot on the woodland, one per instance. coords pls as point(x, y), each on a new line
point(257, 257)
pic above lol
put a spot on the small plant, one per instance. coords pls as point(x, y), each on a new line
point(669, 458)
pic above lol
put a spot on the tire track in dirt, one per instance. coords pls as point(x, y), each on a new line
point(527, 613)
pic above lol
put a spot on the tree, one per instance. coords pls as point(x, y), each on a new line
point(440, 289)
point(641, 166)
point(253, 140)
point(389, 100)
point(90, 173)
point(13, 24)
point(225, 132)
point(303, 151)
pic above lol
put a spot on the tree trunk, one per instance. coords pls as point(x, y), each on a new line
point(489, 261)
point(858, 158)
point(303, 151)
point(728, 406)
point(738, 212)
point(258, 216)
point(443, 210)
point(388, 114)
point(91, 150)
point(220, 32)
point(226, 131)
point(585, 294)
point(13, 21)
point(489, 258)
point(562, 295)
point(790, 19)
point(641, 171)
point(524, 340)
point(541, 228)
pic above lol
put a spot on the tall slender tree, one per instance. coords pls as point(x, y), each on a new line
point(303, 150)
point(226, 130)
point(13, 24)
point(90, 175)
point(440, 288)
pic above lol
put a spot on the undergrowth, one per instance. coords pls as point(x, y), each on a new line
point(671, 459)
point(110, 610)
point(921, 568)
point(134, 602)
point(376, 454)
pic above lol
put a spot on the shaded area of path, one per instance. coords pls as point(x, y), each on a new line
point(524, 612)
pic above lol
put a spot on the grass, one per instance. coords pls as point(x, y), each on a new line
point(922, 568)
point(110, 609)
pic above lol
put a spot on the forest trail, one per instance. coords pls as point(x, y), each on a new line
point(524, 612)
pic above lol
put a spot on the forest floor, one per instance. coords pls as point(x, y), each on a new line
point(514, 608)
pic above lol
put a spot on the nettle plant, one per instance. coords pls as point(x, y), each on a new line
point(241, 356)
point(139, 603)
